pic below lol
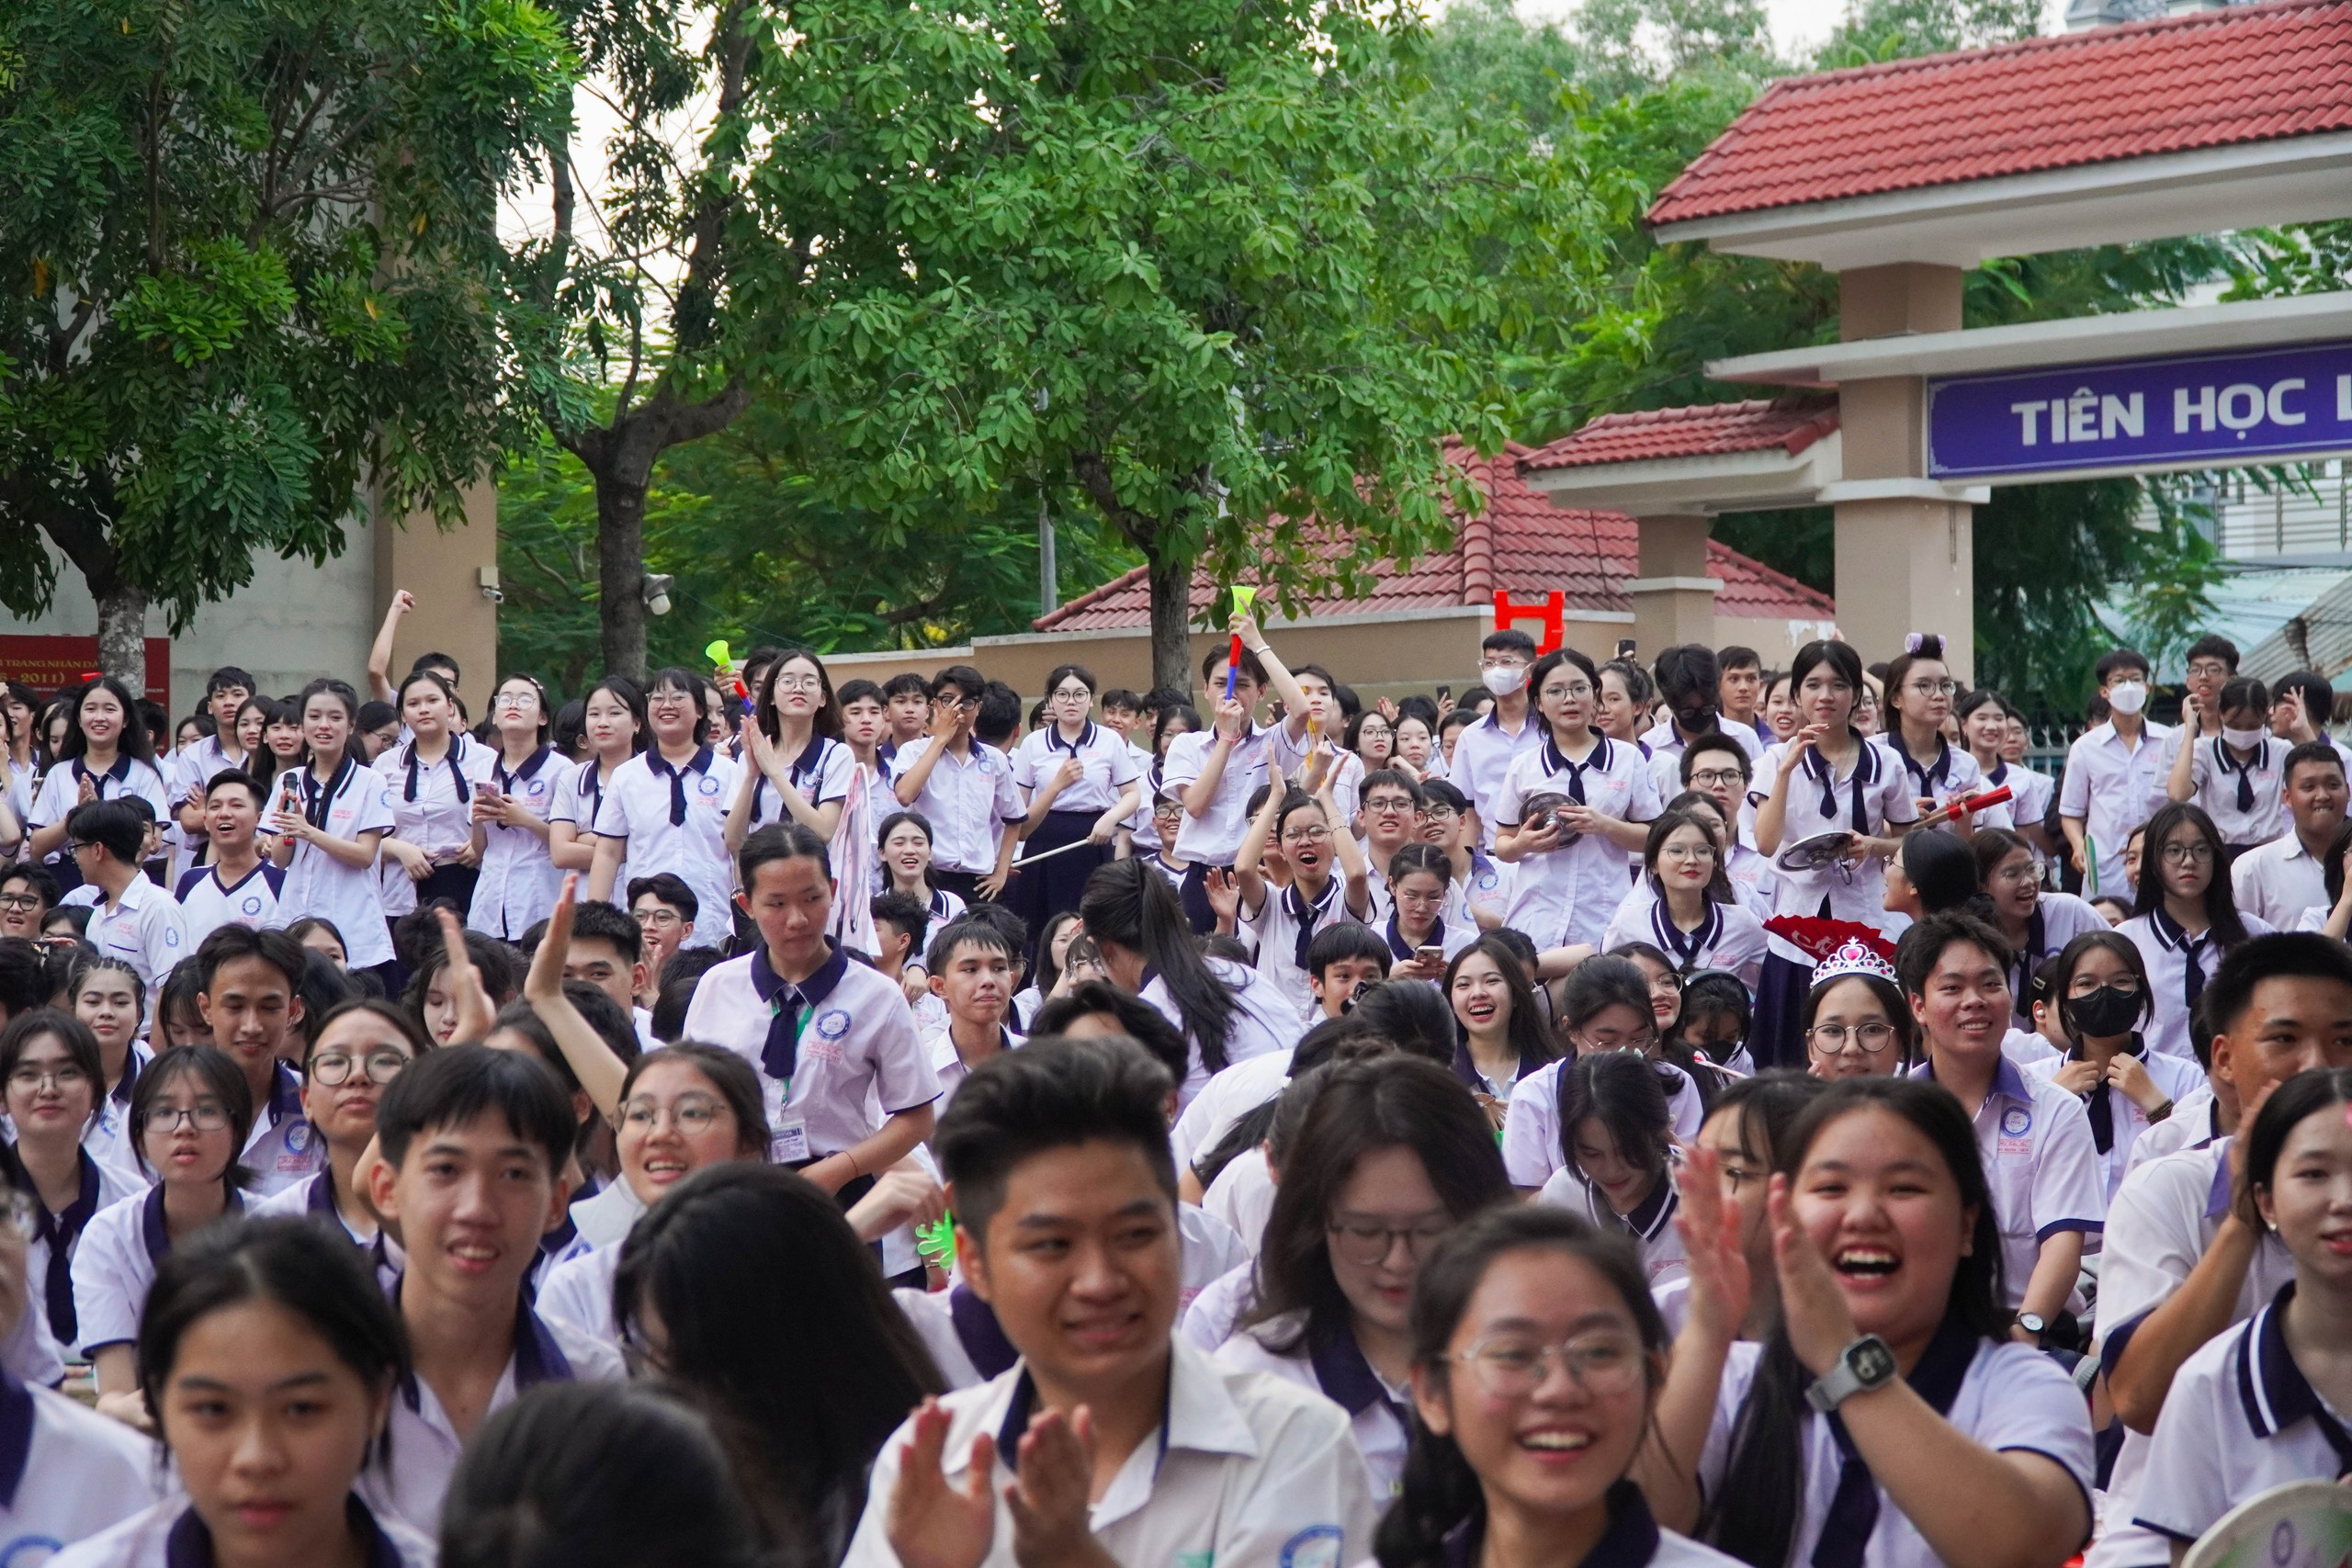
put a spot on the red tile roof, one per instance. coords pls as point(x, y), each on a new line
point(1519, 542)
point(1708, 430)
point(2206, 79)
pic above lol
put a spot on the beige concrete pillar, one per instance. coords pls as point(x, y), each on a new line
point(1674, 599)
point(1904, 555)
point(444, 568)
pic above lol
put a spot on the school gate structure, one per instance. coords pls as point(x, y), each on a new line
point(1900, 177)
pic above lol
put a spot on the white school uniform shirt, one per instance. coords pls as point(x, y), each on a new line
point(1650, 1227)
point(577, 798)
point(519, 881)
point(638, 798)
point(1566, 894)
point(1276, 924)
point(1243, 1197)
point(1262, 1021)
point(2279, 881)
point(312, 1198)
point(169, 1535)
point(1530, 1143)
point(1731, 938)
point(425, 1447)
point(2057, 920)
point(2041, 1163)
point(355, 801)
point(1289, 754)
point(432, 808)
point(1665, 746)
point(1225, 1098)
point(1214, 837)
point(822, 773)
point(2195, 1121)
point(2165, 948)
point(1483, 753)
point(283, 1148)
point(1217, 1311)
point(61, 792)
point(193, 767)
point(931, 1315)
point(947, 1063)
point(857, 1062)
point(103, 1185)
point(971, 801)
point(2128, 1123)
point(1950, 775)
point(579, 1291)
point(2163, 1218)
point(1486, 890)
point(144, 930)
point(1877, 793)
point(1379, 1412)
point(207, 904)
point(115, 1267)
point(2240, 1418)
point(2255, 815)
point(1109, 761)
point(67, 1475)
point(1248, 1468)
point(2113, 789)
point(108, 1137)
point(606, 1219)
point(2011, 1399)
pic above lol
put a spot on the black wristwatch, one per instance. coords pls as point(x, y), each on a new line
point(1863, 1366)
point(2033, 1322)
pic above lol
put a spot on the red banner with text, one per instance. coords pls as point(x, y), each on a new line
point(45, 663)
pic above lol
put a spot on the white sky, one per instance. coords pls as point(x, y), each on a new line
point(1797, 24)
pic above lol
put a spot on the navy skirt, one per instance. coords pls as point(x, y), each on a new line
point(1776, 1038)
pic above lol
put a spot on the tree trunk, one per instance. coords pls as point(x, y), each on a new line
point(620, 572)
point(1171, 616)
point(122, 633)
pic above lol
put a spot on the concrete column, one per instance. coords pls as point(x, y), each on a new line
point(1674, 599)
point(1904, 556)
point(443, 569)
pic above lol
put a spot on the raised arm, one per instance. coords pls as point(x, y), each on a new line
point(600, 1072)
point(380, 656)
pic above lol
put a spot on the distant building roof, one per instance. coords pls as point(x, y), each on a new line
point(1519, 542)
point(2204, 80)
point(1706, 430)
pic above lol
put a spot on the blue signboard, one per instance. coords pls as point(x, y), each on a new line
point(2213, 410)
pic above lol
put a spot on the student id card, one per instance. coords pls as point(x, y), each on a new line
point(789, 1142)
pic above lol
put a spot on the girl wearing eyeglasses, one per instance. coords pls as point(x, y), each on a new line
point(1083, 782)
point(795, 766)
point(1857, 1024)
point(1569, 808)
point(1537, 1362)
point(2183, 919)
point(1393, 1154)
point(188, 1119)
point(513, 804)
point(1890, 1418)
point(50, 1065)
point(1329, 879)
point(362, 1046)
point(1919, 693)
point(1693, 915)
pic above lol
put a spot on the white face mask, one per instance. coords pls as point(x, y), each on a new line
point(1504, 679)
point(2127, 697)
point(2244, 739)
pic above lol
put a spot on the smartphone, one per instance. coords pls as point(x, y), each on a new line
point(1443, 693)
point(1428, 955)
point(1624, 647)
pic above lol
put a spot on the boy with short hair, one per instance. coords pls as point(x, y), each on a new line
point(2115, 775)
point(609, 951)
point(239, 887)
point(908, 698)
point(1486, 749)
point(1739, 689)
point(972, 965)
point(1216, 772)
point(665, 908)
point(474, 1145)
point(1390, 815)
point(1342, 958)
point(28, 893)
point(1064, 1192)
point(964, 787)
point(252, 997)
point(131, 918)
point(225, 690)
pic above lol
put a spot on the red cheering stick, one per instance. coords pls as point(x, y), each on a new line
point(1969, 806)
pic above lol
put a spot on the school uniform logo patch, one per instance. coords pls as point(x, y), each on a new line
point(298, 1137)
point(251, 906)
point(2016, 1121)
point(832, 1024)
point(1316, 1546)
point(709, 786)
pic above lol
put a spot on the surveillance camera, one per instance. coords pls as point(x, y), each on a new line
point(496, 596)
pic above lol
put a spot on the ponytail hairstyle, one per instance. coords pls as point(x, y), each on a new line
point(1438, 1492)
point(1131, 905)
point(1943, 869)
point(1753, 1515)
point(2220, 903)
point(440, 682)
point(1925, 647)
point(1388, 1101)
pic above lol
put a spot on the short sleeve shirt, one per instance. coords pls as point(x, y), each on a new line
point(820, 773)
point(2113, 787)
point(356, 801)
point(519, 882)
point(639, 802)
point(2043, 1166)
point(1109, 762)
point(1566, 894)
point(2246, 797)
point(207, 904)
point(432, 808)
point(1214, 837)
point(969, 801)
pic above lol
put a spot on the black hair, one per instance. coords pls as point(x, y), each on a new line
point(239, 778)
point(2071, 957)
point(612, 1022)
point(906, 684)
point(826, 721)
point(1216, 655)
point(1047, 974)
point(374, 713)
point(1752, 1513)
point(1942, 867)
point(1392, 778)
point(1890, 998)
point(36, 878)
point(1508, 639)
point(1688, 675)
point(1172, 714)
point(112, 826)
point(1128, 903)
point(2302, 955)
point(1930, 647)
point(1599, 983)
point(1738, 656)
point(666, 887)
point(81, 1046)
point(1662, 828)
point(290, 1262)
point(997, 721)
point(2319, 697)
point(1624, 1093)
point(737, 1081)
point(1414, 1016)
point(1138, 1019)
point(2305, 1094)
point(667, 1015)
point(597, 1475)
point(134, 740)
point(904, 913)
point(2220, 903)
point(595, 921)
point(1991, 846)
point(1843, 661)
point(88, 961)
point(1524, 1028)
point(1712, 991)
point(1916, 953)
point(24, 976)
point(390, 1013)
point(1051, 1094)
point(570, 727)
point(2321, 751)
point(217, 1074)
point(2118, 660)
point(1342, 939)
point(2243, 694)
point(1391, 1100)
point(967, 931)
point(453, 1085)
point(1439, 1494)
point(228, 678)
point(860, 690)
point(1714, 740)
point(747, 1267)
point(781, 841)
point(176, 999)
point(1768, 1105)
point(324, 987)
point(2212, 645)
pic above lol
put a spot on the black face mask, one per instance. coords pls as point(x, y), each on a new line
point(1695, 721)
point(2106, 1013)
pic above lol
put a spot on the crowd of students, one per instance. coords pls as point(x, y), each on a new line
point(1659, 1112)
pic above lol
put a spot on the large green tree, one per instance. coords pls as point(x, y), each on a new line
point(251, 268)
point(1214, 266)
